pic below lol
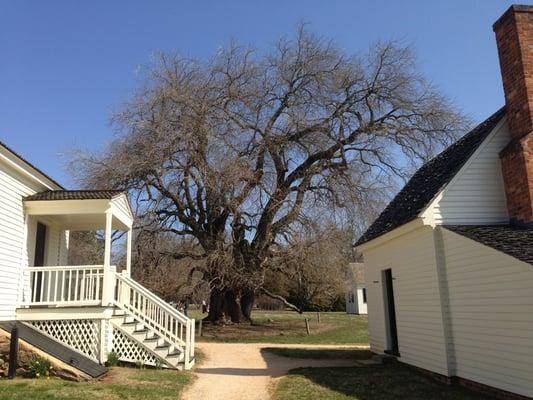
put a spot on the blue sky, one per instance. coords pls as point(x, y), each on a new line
point(66, 65)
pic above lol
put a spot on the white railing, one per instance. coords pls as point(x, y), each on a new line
point(156, 313)
point(66, 285)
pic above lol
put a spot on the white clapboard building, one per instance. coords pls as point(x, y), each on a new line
point(356, 289)
point(91, 310)
point(449, 262)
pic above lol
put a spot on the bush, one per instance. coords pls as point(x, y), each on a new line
point(38, 367)
point(113, 359)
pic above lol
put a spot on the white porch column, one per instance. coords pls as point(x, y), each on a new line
point(128, 251)
point(108, 286)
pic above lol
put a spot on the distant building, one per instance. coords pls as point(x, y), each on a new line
point(356, 289)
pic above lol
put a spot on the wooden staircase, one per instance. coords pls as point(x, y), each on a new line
point(169, 354)
point(152, 323)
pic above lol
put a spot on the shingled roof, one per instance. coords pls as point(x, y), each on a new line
point(428, 181)
point(73, 195)
point(514, 241)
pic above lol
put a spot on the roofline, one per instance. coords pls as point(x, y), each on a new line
point(30, 170)
point(119, 193)
point(423, 216)
point(448, 229)
point(412, 225)
point(464, 167)
point(125, 194)
point(495, 119)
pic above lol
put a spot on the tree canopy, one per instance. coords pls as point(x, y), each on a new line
point(236, 153)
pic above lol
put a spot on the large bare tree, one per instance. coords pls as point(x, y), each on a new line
point(234, 153)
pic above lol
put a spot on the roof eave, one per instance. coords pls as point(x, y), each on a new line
point(412, 225)
point(29, 170)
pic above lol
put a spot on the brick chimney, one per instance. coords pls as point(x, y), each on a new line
point(514, 37)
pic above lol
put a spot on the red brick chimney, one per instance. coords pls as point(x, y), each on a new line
point(514, 37)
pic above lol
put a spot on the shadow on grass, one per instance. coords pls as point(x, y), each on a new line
point(378, 382)
point(319, 354)
point(235, 371)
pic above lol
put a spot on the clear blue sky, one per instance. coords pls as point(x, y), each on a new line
point(65, 65)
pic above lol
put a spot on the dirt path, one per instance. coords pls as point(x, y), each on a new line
point(235, 371)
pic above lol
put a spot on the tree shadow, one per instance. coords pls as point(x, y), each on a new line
point(375, 382)
point(318, 353)
point(234, 371)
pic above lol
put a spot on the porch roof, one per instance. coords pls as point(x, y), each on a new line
point(82, 209)
point(74, 195)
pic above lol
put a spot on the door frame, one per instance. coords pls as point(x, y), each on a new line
point(39, 256)
point(389, 307)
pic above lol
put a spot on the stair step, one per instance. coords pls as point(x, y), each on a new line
point(175, 353)
point(172, 353)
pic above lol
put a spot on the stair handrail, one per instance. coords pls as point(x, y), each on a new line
point(155, 298)
point(179, 334)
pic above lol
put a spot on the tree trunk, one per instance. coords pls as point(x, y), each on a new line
point(233, 306)
point(216, 307)
point(225, 305)
point(247, 304)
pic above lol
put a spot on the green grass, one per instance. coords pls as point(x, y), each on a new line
point(382, 382)
point(289, 327)
point(321, 354)
point(122, 383)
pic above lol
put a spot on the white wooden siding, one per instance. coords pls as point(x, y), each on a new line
point(351, 307)
point(358, 306)
point(416, 290)
point(491, 314)
point(12, 238)
point(476, 195)
point(361, 305)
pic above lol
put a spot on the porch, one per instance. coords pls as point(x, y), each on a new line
point(95, 309)
point(50, 218)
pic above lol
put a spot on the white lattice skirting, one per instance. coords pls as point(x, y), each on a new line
point(81, 334)
point(130, 351)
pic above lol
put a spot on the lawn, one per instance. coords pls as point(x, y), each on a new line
point(381, 382)
point(120, 383)
point(289, 327)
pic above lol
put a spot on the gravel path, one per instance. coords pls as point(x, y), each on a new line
point(235, 371)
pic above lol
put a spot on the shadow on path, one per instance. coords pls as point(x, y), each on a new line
point(235, 371)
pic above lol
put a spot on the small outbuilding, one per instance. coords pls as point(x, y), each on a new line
point(449, 262)
point(356, 289)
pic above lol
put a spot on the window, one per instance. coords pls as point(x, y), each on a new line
point(364, 295)
point(351, 297)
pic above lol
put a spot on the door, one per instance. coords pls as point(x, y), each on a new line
point(38, 260)
point(390, 312)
